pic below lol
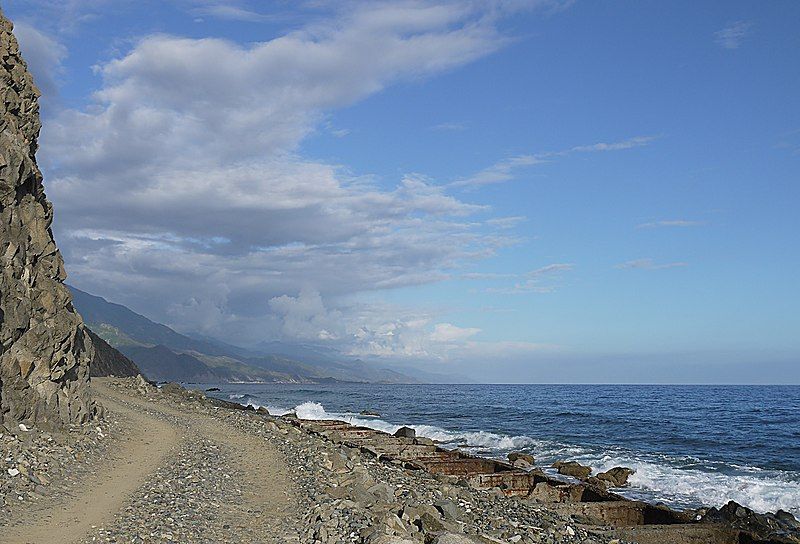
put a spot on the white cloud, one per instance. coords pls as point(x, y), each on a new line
point(447, 332)
point(680, 223)
point(449, 127)
point(506, 169)
point(230, 12)
point(305, 317)
point(44, 56)
point(541, 280)
point(499, 172)
point(630, 143)
point(506, 222)
point(648, 264)
point(733, 34)
point(180, 190)
point(66, 16)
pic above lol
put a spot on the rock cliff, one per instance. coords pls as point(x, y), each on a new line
point(44, 348)
point(108, 361)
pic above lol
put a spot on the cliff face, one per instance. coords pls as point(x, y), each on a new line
point(44, 348)
point(108, 361)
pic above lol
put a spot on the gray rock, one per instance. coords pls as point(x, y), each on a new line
point(617, 476)
point(405, 432)
point(572, 468)
point(45, 349)
point(521, 460)
point(449, 510)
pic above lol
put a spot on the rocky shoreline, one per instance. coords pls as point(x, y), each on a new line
point(330, 482)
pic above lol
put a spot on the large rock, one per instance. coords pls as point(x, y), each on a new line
point(781, 527)
point(44, 348)
point(572, 468)
point(617, 476)
point(521, 460)
point(405, 432)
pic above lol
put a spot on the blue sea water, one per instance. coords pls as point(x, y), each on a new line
point(691, 446)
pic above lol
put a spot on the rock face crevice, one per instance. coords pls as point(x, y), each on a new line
point(44, 348)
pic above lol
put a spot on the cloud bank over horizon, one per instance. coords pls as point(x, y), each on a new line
point(451, 183)
point(202, 200)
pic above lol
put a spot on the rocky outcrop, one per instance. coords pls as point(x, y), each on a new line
point(779, 528)
point(405, 432)
point(44, 348)
point(616, 477)
point(521, 460)
point(572, 468)
point(107, 361)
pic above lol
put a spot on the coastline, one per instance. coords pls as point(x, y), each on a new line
point(743, 453)
point(232, 474)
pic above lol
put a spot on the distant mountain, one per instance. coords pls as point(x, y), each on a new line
point(121, 326)
point(321, 360)
point(166, 355)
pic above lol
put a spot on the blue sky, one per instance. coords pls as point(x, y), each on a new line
point(510, 191)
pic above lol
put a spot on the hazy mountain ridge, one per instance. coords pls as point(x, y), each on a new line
point(164, 354)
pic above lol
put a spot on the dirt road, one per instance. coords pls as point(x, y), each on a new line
point(175, 476)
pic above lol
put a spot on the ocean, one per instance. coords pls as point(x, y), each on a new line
point(691, 446)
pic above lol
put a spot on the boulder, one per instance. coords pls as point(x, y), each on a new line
point(521, 460)
point(449, 510)
point(544, 492)
point(143, 386)
point(369, 413)
point(617, 476)
point(405, 432)
point(173, 388)
point(572, 468)
point(45, 349)
point(761, 527)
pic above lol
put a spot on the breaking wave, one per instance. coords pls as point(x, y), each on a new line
point(680, 482)
point(468, 439)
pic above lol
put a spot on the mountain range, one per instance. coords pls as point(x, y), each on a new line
point(164, 354)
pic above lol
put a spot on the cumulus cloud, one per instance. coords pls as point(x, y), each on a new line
point(447, 332)
point(305, 316)
point(648, 264)
point(733, 34)
point(181, 190)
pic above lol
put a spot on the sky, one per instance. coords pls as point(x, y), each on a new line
point(504, 191)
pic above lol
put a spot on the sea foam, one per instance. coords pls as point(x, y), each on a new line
point(763, 491)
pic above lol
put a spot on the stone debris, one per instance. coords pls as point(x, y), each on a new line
point(36, 463)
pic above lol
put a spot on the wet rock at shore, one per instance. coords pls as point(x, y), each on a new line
point(369, 413)
point(616, 477)
point(521, 460)
point(405, 432)
point(780, 527)
point(572, 468)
